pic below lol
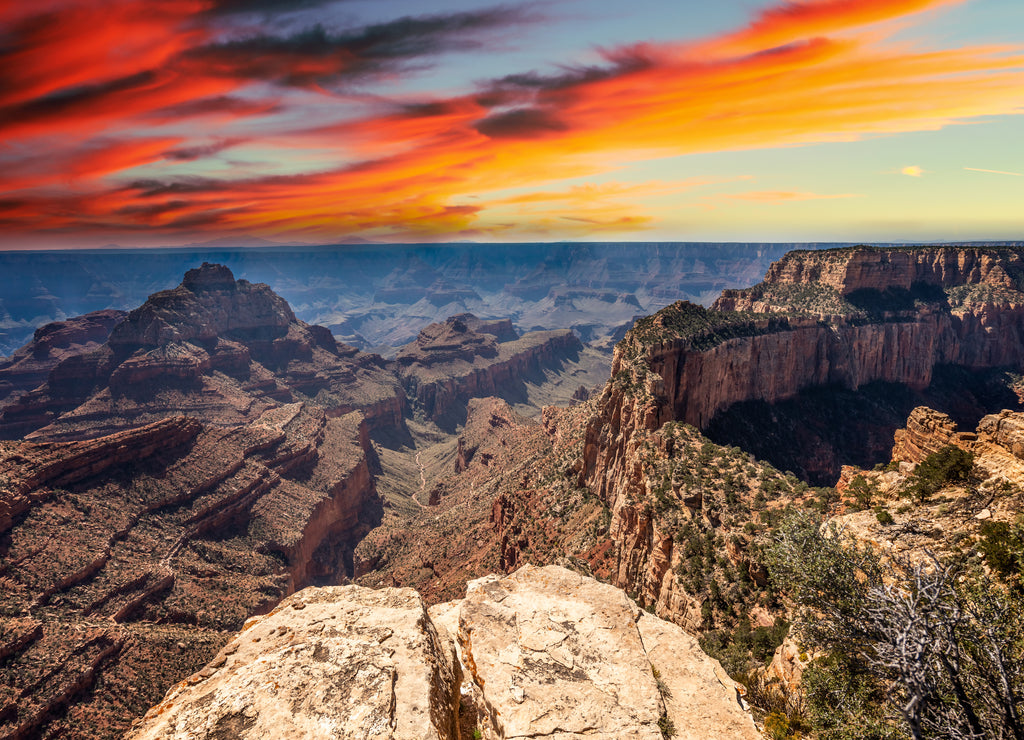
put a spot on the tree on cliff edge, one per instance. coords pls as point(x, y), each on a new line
point(943, 642)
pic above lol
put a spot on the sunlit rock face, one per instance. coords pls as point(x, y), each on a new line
point(543, 652)
point(847, 320)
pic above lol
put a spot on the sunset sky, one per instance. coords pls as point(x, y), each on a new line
point(163, 122)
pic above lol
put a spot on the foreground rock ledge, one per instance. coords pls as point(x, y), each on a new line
point(543, 652)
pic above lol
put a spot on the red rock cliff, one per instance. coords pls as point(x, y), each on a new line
point(687, 363)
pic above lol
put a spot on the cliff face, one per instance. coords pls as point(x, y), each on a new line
point(847, 271)
point(128, 557)
point(213, 347)
point(29, 366)
point(465, 357)
point(803, 353)
point(876, 317)
point(688, 365)
point(843, 318)
point(543, 652)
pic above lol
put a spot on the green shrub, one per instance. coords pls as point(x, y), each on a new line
point(943, 639)
point(950, 464)
point(1002, 544)
point(862, 492)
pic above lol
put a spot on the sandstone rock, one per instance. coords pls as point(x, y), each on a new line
point(1006, 430)
point(787, 666)
point(700, 695)
point(341, 662)
point(560, 655)
point(543, 652)
point(927, 432)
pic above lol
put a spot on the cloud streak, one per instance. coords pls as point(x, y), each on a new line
point(995, 172)
point(799, 73)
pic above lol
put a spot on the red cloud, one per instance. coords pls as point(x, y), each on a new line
point(801, 72)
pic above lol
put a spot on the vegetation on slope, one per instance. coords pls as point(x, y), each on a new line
point(908, 642)
point(702, 328)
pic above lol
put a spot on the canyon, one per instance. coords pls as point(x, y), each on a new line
point(208, 454)
point(378, 297)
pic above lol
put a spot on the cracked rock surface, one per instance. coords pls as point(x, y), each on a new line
point(541, 653)
point(340, 662)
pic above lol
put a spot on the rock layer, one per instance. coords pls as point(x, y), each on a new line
point(29, 366)
point(132, 554)
point(214, 347)
point(341, 662)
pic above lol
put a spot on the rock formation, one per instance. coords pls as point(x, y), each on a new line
point(896, 317)
point(543, 652)
point(222, 349)
point(127, 558)
point(466, 357)
point(29, 366)
point(338, 662)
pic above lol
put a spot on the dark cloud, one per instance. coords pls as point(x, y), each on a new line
point(70, 100)
point(181, 186)
point(217, 105)
point(620, 62)
point(524, 123)
point(317, 56)
point(266, 7)
point(152, 210)
point(13, 204)
point(192, 153)
point(431, 109)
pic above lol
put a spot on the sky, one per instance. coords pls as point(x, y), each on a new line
point(166, 122)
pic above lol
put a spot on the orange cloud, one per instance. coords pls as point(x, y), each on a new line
point(800, 73)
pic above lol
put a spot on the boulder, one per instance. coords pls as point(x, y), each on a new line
point(339, 662)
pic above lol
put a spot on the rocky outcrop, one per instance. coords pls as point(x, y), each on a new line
point(29, 366)
point(342, 662)
point(847, 271)
point(466, 357)
point(927, 431)
point(217, 348)
point(136, 553)
point(543, 652)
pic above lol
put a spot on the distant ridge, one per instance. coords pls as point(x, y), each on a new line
point(241, 242)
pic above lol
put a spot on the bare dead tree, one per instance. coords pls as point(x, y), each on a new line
point(947, 639)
